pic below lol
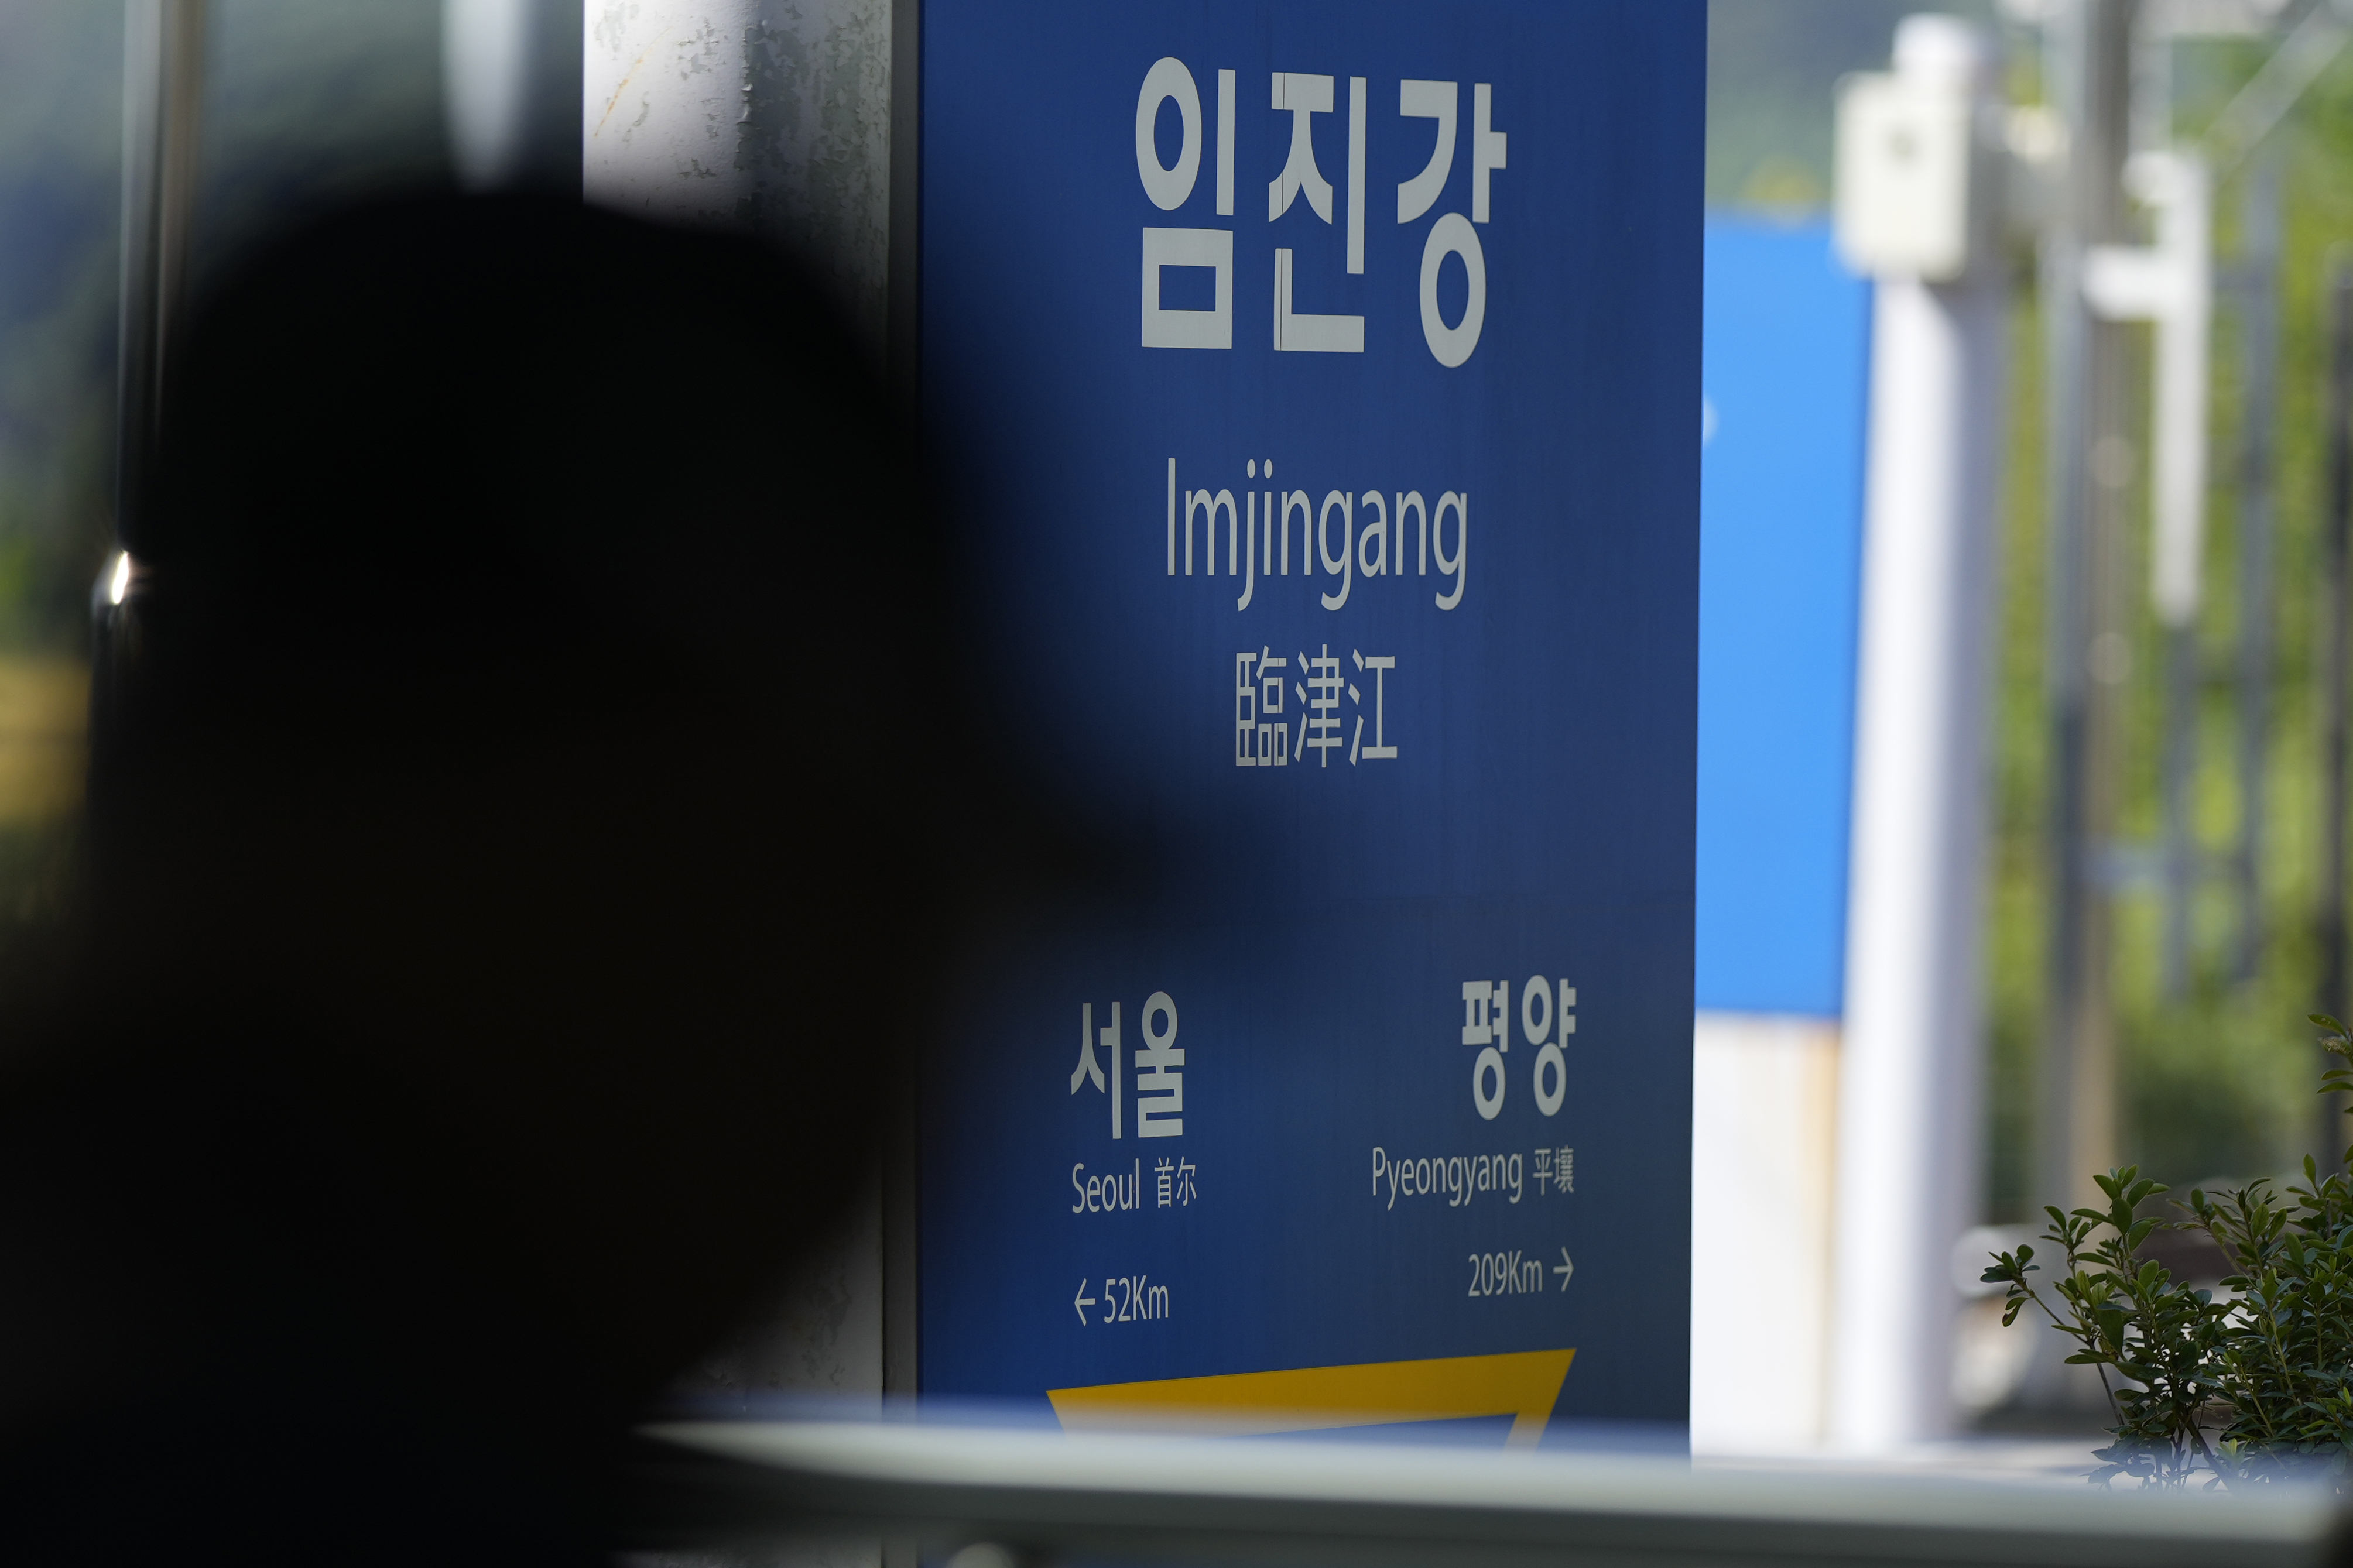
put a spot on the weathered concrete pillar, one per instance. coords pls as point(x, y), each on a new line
point(773, 116)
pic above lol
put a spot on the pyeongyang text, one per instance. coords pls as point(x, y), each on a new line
point(1457, 1178)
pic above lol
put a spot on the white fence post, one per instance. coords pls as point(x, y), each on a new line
point(1909, 1092)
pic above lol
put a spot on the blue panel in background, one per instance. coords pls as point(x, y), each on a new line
point(1781, 477)
point(1353, 773)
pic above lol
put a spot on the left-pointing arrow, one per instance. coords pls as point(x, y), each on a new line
point(1081, 1302)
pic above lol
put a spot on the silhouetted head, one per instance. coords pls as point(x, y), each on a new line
point(517, 842)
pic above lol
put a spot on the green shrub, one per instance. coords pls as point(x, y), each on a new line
point(2252, 1388)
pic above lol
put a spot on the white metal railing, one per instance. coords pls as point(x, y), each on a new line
point(1040, 1495)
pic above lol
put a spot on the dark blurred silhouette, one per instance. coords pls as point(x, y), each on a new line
point(518, 870)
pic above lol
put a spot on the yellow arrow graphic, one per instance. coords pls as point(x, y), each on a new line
point(1522, 1384)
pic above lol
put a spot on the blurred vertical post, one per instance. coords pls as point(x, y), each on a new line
point(162, 94)
point(901, 1215)
point(2169, 283)
point(2176, 785)
point(510, 93)
point(2088, 71)
point(2331, 922)
point(162, 98)
point(2258, 279)
point(1918, 210)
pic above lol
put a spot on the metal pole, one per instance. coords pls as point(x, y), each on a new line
point(2089, 70)
point(511, 72)
point(2178, 784)
point(2111, 588)
point(1910, 1070)
point(2330, 933)
point(2066, 327)
point(2259, 328)
point(2088, 65)
point(903, 306)
point(162, 94)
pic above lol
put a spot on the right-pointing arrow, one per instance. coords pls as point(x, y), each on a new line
point(1081, 1302)
point(1564, 1269)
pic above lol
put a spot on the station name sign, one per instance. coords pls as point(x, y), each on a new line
point(1314, 385)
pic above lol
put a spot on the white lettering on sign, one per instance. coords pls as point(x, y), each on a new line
point(1457, 1178)
point(1427, 100)
point(1321, 692)
point(1125, 1299)
point(1460, 1178)
point(1167, 81)
point(1262, 734)
point(1514, 1273)
point(1107, 1195)
point(1159, 1087)
point(1159, 1090)
point(1487, 1023)
point(1557, 1166)
point(1300, 96)
point(1172, 1181)
point(1505, 1274)
point(1296, 331)
point(1453, 346)
point(1089, 1070)
point(1258, 535)
point(1480, 1007)
point(1209, 328)
point(1261, 729)
point(1175, 1179)
point(1303, 95)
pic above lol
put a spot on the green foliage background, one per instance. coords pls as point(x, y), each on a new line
point(2218, 1086)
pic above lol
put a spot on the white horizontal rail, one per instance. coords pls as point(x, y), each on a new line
point(1043, 1495)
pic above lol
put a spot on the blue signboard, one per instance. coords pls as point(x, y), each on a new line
point(1787, 381)
point(1314, 386)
